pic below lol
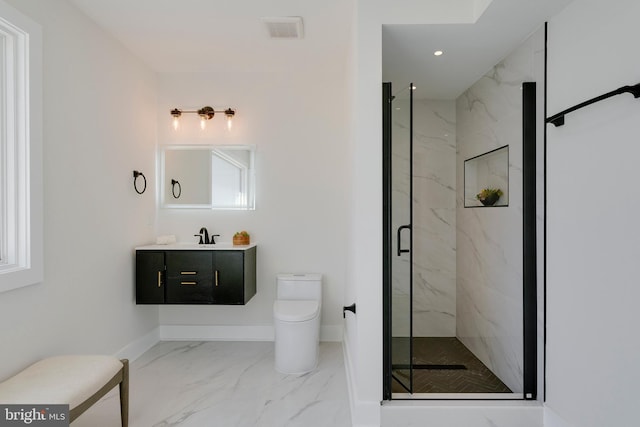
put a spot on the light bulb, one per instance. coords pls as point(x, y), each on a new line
point(229, 113)
point(203, 123)
point(175, 113)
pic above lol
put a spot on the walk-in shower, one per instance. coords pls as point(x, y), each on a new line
point(459, 277)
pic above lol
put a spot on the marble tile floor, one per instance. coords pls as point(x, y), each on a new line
point(227, 384)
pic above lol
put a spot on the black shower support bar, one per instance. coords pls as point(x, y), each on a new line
point(558, 119)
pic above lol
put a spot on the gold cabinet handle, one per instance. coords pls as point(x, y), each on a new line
point(159, 278)
point(186, 273)
point(188, 283)
point(216, 276)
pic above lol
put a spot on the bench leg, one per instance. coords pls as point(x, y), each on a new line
point(124, 394)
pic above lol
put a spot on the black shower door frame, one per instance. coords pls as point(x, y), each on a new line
point(530, 263)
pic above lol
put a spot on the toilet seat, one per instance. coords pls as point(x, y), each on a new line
point(295, 310)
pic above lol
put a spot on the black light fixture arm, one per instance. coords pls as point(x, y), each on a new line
point(558, 119)
point(206, 112)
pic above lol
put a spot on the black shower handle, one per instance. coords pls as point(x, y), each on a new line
point(402, 227)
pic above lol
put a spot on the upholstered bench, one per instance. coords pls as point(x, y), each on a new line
point(79, 381)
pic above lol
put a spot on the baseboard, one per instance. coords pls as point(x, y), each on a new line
point(136, 348)
point(329, 333)
point(460, 413)
point(351, 381)
point(216, 333)
point(552, 419)
point(363, 414)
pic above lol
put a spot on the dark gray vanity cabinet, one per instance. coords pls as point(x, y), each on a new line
point(189, 277)
point(195, 276)
point(234, 267)
point(150, 277)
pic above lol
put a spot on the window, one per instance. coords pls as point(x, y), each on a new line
point(20, 150)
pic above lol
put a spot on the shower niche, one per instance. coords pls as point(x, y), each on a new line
point(486, 179)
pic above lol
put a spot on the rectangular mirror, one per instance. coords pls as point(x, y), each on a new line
point(207, 176)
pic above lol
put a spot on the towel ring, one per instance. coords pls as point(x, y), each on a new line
point(136, 174)
point(173, 189)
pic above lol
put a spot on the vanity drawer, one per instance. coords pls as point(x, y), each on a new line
point(189, 277)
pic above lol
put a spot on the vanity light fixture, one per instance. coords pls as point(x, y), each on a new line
point(206, 113)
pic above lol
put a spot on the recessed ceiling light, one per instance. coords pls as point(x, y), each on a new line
point(438, 52)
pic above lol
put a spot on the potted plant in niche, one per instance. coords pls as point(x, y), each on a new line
point(489, 196)
point(241, 238)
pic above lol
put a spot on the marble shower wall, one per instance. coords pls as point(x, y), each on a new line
point(489, 239)
point(400, 215)
point(434, 218)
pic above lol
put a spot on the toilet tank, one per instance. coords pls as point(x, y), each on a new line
point(299, 287)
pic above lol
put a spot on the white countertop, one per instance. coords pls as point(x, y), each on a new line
point(222, 246)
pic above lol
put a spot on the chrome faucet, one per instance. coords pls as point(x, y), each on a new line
point(204, 239)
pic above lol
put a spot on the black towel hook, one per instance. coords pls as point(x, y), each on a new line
point(351, 308)
point(136, 174)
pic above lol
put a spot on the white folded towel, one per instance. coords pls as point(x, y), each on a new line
point(166, 240)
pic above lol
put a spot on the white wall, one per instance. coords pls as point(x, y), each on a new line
point(297, 122)
point(99, 125)
point(593, 346)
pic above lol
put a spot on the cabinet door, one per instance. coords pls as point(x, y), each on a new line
point(189, 277)
point(150, 279)
point(228, 286)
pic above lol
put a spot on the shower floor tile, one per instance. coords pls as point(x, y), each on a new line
point(445, 365)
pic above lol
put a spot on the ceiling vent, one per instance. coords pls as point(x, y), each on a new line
point(284, 27)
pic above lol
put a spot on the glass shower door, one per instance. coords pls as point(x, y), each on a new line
point(399, 141)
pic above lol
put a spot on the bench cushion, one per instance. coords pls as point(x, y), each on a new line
point(60, 380)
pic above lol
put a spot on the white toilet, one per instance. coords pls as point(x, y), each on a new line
point(296, 317)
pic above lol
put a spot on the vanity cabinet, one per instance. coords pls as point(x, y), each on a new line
point(190, 277)
point(198, 276)
point(150, 277)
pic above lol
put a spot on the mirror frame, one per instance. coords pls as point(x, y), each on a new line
point(162, 187)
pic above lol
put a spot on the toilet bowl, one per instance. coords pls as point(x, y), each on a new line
point(296, 318)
